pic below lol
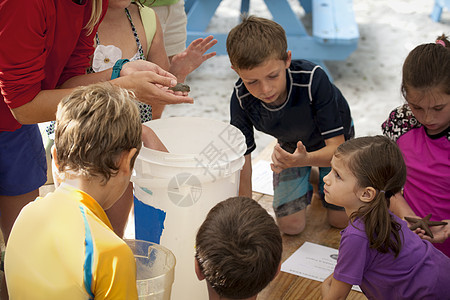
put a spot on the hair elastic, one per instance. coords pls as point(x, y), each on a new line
point(440, 42)
point(383, 191)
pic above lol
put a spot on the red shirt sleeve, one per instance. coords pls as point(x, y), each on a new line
point(80, 59)
point(43, 43)
point(23, 50)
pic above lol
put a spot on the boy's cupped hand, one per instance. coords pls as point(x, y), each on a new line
point(281, 159)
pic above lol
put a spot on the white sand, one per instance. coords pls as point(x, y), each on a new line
point(369, 78)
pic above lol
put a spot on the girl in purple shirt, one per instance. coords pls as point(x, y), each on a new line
point(378, 251)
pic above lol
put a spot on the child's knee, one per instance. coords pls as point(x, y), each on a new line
point(337, 218)
point(292, 224)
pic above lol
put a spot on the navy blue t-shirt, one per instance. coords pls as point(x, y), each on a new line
point(315, 110)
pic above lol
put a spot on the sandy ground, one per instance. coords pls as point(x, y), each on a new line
point(369, 78)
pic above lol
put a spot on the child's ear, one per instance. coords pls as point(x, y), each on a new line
point(288, 59)
point(54, 156)
point(125, 160)
point(278, 271)
point(368, 194)
point(198, 272)
point(57, 177)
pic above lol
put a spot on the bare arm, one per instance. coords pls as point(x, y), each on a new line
point(151, 140)
point(400, 207)
point(333, 289)
point(42, 108)
point(300, 158)
point(245, 185)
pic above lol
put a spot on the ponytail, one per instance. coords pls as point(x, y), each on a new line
point(380, 225)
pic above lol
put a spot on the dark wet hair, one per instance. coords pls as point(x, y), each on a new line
point(238, 248)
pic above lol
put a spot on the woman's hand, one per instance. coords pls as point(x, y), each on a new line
point(144, 65)
point(150, 83)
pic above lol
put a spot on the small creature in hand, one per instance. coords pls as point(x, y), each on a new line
point(180, 87)
point(424, 224)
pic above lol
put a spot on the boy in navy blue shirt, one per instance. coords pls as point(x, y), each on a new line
point(295, 102)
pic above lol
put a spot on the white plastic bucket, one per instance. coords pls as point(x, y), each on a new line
point(174, 191)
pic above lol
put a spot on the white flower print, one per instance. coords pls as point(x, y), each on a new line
point(105, 57)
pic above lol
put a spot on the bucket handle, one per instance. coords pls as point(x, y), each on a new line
point(175, 158)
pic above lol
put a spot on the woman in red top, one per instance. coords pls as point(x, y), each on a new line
point(46, 48)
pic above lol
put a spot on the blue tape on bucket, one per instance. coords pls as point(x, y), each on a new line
point(149, 222)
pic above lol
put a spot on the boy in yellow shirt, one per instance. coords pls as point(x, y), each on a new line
point(62, 246)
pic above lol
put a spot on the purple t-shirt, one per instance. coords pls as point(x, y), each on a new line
point(420, 271)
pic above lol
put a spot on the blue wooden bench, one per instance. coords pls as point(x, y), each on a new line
point(334, 35)
point(334, 22)
point(437, 9)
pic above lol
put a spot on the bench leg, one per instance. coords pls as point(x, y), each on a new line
point(436, 13)
point(307, 5)
point(245, 6)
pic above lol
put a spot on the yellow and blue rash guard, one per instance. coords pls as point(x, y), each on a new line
point(62, 247)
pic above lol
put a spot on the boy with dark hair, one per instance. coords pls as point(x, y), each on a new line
point(295, 102)
point(62, 246)
point(238, 249)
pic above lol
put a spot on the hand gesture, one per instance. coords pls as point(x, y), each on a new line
point(281, 159)
point(192, 57)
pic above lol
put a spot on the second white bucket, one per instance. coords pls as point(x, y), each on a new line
point(174, 191)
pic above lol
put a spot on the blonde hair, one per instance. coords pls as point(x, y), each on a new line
point(96, 14)
point(94, 125)
point(255, 40)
